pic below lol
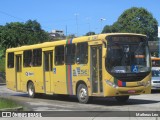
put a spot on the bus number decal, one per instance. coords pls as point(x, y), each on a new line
point(79, 72)
point(93, 38)
point(29, 74)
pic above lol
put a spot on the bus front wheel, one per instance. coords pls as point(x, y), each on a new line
point(82, 94)
point(31, 90)
point(122, 99)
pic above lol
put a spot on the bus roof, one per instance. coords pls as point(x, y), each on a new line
point(75, 40)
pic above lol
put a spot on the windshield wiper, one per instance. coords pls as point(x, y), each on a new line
point(139, 47)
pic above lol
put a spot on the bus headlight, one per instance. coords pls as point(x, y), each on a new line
point(111, 84)
point(145, 84)
point(148, 83)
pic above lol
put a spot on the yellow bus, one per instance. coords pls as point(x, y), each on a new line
point(115, 64)
point(155, 61)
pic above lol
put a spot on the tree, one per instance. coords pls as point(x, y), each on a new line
point(71, 36)
point(12, 35)
point(90, 33)
point(111, 28)
point(135, 20)
point(16, 34)
point(35, 32)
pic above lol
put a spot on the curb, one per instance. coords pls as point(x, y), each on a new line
point(2, 84)
point(13, 109)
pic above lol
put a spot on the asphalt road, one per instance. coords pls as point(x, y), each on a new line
point(148, 102)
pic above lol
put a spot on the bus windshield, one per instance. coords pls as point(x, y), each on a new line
point(127, 54)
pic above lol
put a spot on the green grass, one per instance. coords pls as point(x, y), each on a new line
point(6, 103)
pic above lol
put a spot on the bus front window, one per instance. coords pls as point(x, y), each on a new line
point(127, 55)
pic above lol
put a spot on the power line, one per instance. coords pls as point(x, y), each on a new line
point(11, 15)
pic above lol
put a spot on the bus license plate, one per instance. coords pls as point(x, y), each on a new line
point(131, 91)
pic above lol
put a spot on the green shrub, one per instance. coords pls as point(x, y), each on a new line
point(2, 64)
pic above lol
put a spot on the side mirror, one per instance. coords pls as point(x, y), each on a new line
point(104, 52)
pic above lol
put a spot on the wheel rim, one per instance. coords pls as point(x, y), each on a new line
point(83, 94)
point(30, 90)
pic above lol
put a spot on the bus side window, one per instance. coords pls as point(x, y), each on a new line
point(37, 57)
point(10, 62)
point(82, 53)
point(59, 55)
point(70, 54)
point(27, 58)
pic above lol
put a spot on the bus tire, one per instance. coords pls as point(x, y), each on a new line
point(82, 94)
point(31, 90)
point(122, 99)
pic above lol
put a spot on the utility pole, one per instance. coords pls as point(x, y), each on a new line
point(76, 14)
point(66, 31)
point(102, 19)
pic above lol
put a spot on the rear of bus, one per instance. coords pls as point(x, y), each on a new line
point(128, 66)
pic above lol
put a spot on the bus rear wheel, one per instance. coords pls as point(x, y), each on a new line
point(31, 90)
point(122, 99)
point(82, 94)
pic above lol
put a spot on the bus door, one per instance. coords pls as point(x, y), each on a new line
point(48, 74)
point(96, 69)
point(18, 71)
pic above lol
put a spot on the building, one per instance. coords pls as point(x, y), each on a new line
point(155, 45)
point(57, 34)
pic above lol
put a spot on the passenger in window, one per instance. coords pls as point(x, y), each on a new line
point(78, 56)
point(10, 66)
point(62, 61)
point(153, 63)
point(30, 64)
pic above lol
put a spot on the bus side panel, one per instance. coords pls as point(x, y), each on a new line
point(10, 76)
point(81, 73)
point(26, 75)
point(34, 74)
point(60, 83)
point(10, 79)
point(38, 79)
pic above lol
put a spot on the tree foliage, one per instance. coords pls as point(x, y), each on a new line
point(90, 33)
point(16, 34)
point(135, 20)
point(71, 36)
